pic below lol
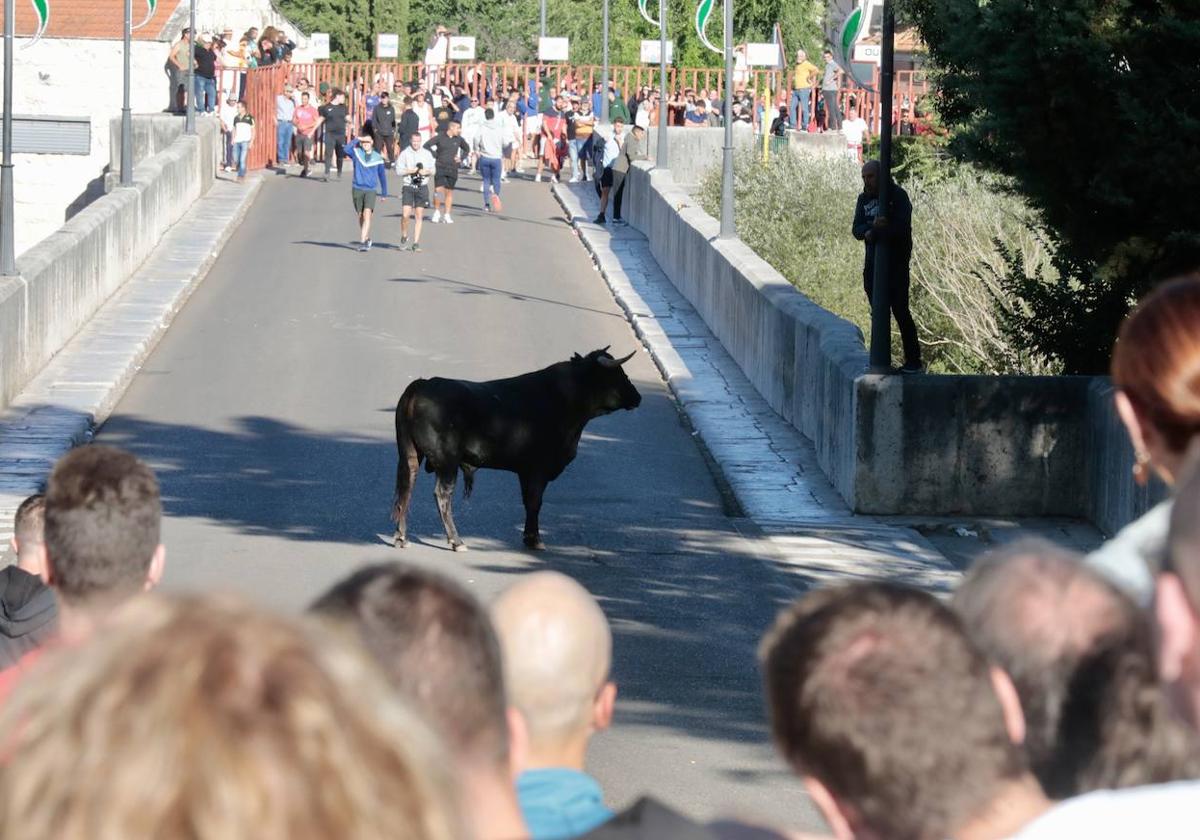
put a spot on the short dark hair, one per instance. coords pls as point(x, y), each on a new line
point(489, 113)
point(436, 644)
point(875, 690)
point(103, 521)
point(620, 120)
point(29, 523)
point(1080, 655)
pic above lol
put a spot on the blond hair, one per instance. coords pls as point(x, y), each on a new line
point(204, 719)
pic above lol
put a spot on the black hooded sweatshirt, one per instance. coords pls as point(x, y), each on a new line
point(28, 614)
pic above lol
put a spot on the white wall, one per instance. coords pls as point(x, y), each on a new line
point(73, 78)
point(214, 16)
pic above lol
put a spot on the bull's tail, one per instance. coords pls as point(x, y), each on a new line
point(468, 480)
point(406, 449)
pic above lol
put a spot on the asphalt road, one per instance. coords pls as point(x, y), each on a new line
point(267, 413)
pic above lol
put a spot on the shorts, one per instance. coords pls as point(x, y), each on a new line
point(508, 149)
point(363, 199)
point(411, 196)
point(445, 179)
point(533, 123)
point(606, 177)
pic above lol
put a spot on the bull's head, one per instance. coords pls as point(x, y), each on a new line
point(609, 389)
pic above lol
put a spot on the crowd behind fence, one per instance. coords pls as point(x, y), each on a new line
point(358, 78)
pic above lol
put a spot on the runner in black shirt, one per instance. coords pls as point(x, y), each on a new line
point(333, 118)
point(448, 149)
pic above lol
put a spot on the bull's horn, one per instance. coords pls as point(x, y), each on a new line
point(612, 363)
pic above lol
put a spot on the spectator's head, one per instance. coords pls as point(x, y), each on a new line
point(29, 535)
point(186, 33)
point(415, 140)
point(639, 132)
point(618, 125)
point(287, 88)
point(1155, 368)
point(304, 98)
point(1177, 599)
point(1080, 656)
point(889, 713)
point(453, 128)
point(870, 177)
point(435, 642)
point(489, 114)
point(801, 55)
point(851, 113)
point(384, 98)
point(211, 719)
point(827, 55)
point(241, 106)
point(103, 517)
point(557, 654)
point(367, 142)
point(252, 33)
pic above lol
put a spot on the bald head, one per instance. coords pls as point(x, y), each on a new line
point(557, 651)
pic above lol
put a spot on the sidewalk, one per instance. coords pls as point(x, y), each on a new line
point(770, 467)
point(64, 404)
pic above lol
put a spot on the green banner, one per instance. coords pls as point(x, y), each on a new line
point(703, 13)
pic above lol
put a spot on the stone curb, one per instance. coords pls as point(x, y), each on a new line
point(74, 394)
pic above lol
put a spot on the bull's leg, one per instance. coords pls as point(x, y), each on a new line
point(532, 488)
point(405, 469)
point(444, 493)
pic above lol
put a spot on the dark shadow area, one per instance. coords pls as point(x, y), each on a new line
point(349, 246)
point(94, 190)
point(463, 287)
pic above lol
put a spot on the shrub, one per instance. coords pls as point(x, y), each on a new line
point(796, 213)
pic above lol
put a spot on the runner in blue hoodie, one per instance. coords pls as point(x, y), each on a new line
point(370, 176)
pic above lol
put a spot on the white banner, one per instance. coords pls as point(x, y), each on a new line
point(553, 49)
point(764, 55)
point(650, 51)
point(387, 45)
point(318, 45)
point(462, 48)
point(868, 53)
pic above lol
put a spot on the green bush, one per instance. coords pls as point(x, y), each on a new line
point(796, 213)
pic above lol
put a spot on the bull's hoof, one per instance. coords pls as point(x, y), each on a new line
point(534, 543)
point(400, 541)
point(458, 546)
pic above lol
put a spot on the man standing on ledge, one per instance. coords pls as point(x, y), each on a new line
point(873, 224)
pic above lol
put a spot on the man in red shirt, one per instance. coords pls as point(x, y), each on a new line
point(305, 120)
point(101, 545)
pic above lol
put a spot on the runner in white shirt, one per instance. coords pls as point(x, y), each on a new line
point(856, 131)
point(511, 132)
point(472, 122)
point(416, 166)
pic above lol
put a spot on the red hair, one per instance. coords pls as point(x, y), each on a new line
point(1156, 361)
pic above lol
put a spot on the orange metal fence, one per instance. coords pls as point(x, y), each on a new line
point(357, 78)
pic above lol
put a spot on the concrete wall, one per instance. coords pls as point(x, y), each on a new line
point(66, 277)
point(692, 151)
point(930, 445)
point(74, 77)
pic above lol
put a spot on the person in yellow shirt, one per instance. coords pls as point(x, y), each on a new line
point(804, 76)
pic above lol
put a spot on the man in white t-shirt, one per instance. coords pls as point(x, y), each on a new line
point(416, 167)
point(856, 131)
point(436, 55)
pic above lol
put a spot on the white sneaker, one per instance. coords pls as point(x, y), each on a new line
point(446, 220)
point(437, 216)
point(503, 180)
point(538, 177)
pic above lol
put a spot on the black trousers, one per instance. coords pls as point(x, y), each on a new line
point(618, 193)
point(898, 283)
point(334, 147)
point(387, 142)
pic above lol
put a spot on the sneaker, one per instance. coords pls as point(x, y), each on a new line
point(362, 247)
point(437, 217)
point(912, 370)
point(620, 222)
point(414, 247)
point(496, 205)
point(538, 178)
point(368, 245)
point(403, 242)
point(304, 172)
point(503, 180)
point(599, 220)
point(447, 220)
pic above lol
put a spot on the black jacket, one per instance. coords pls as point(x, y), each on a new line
point(409, 123)
point(383, 119)
point(898, 230)
point(648, 819)
point(28, 614)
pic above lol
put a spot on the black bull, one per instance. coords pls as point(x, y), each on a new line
point(528, 424)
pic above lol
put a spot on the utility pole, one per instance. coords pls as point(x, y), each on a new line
point(543, 18)
point(8, 256)
point(604, 72)
point(189, 125)
point(727, 231)
point(663, 110)
point(126, 117)
point(881, 318)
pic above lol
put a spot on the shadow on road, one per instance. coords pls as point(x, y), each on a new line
point(463, 287)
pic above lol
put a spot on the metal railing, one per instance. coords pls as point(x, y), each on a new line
point(262, 84)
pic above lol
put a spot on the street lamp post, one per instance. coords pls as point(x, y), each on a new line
point(189, 126)
point(604, 72)
point(881, 318)
point(727, 231)
point(126, 117)
point(661, 160)
point(8, 256)
point(543, 30)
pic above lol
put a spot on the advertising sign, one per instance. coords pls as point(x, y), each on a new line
point(387, 45)
point(318, 45)
point(462, 48)
point(553, 49)
point(650, 52)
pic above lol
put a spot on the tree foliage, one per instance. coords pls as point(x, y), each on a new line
point(1092, 107)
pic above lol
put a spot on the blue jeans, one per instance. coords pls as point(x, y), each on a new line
point(283, 144)
point(803, 98)
point(240, 151)
point(574, 147)
point(490, 168)
point(206, 94)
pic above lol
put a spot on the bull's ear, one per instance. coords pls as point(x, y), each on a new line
point(575, 357)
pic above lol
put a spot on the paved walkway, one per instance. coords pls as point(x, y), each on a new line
point(770, 467)
point(65, 403)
